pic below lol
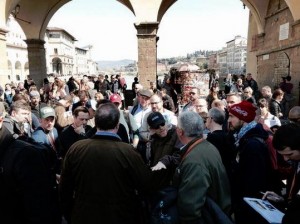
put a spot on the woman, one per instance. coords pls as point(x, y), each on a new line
point(265, 116)
point(275, 106)
point(248, 95)
point(58, 90)
point(213, 95)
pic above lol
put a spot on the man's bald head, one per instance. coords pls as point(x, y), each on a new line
point(294, 114)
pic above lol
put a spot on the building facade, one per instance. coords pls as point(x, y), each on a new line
point(62, 55)
point(236, 55)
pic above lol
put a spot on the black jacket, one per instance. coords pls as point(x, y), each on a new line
point(251, 173)
point(26, 190)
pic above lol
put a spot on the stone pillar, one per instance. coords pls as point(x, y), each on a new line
point(147, 52)
point(37, 60)
point(3, 56)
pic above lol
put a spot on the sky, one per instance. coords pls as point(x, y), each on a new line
point(187, 26)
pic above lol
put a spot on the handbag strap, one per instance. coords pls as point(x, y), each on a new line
point(192, 146)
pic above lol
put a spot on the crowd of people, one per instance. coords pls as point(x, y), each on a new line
point(73, 152)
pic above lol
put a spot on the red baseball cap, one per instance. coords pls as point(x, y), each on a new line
point(115, 98)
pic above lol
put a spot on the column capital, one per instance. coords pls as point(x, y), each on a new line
point(149, 29)
point(35, 42)
point(3, 32)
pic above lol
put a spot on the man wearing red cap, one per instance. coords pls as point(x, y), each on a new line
point(127, 120)
point(252, 166)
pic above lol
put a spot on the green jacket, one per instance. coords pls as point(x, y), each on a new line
point(201, 174)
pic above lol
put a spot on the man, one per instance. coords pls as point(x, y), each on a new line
point(286, 140)
point(287, 87)
point(84, 100)
point(294, 114)
point(201, 173)
point(163, 138)
point(250, 82)
point(143, 106)
point(253, 163)
point(200, 107)
point(266, 92)
point(231, 99)
point(156, 103)
point(194, 94)
point(219, 138)
point(76, 131)
point(35, 103)
point(127, 120)
point(136, 89)
point(114, 84)
point(18, 121)
point(100, 176)
point(144, 131)
point(26, 192)
point(47, 133)
point(101, 85)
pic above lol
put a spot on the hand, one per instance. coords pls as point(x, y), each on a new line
point(79, 130)
point(272, 196)
point(158, 166)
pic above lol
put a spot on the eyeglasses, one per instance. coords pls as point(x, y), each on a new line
point(246, 92)
point(155, 102)
point(158, 126)
point(199, 105)
point(192, 93)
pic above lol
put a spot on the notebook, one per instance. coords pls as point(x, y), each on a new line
point(266, 210)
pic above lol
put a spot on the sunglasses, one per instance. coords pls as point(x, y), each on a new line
point(158, 126)
point(192, 93)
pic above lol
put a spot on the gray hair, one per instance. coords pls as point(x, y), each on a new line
point(191, 123)
point(217, 115)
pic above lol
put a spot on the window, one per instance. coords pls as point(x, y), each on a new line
point(55, 51)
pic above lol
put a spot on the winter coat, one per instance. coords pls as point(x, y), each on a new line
point(26, 191)
point(252, 171)
point(201, 174)
point(99, 180)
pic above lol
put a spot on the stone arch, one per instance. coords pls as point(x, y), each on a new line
point(57, 65)
point(282, 67)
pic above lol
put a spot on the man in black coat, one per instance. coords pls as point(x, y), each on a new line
point(252, 168)
point(102, 175)
point(26, 188)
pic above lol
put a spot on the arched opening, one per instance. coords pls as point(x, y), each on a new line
point(57, 66)
point(10, 70)
point(282, 67)
point(26, 69)
point(18, 70)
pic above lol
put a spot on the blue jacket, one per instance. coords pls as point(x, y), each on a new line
point(40, 136)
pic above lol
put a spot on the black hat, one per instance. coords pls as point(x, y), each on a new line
point(155, 120)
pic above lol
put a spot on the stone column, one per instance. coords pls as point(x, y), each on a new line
point(3, 56)
point(147, 52)
point(37, 60)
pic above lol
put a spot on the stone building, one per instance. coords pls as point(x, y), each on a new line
point(62, 56)
point(236, 55)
